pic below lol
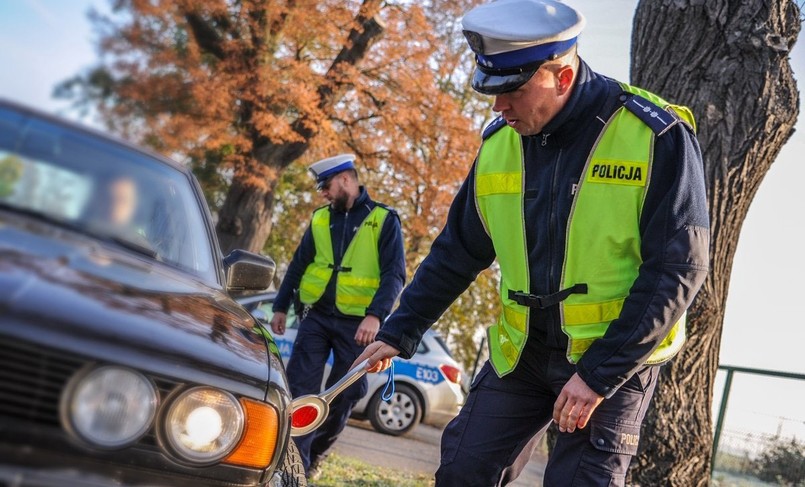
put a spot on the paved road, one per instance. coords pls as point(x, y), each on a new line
point(416, 452)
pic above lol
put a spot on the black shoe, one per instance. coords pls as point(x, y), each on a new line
point(313, 471)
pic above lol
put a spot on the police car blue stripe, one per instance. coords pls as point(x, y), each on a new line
point(419, 372)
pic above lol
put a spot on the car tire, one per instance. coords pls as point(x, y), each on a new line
point(398, 416)
point(292, 472)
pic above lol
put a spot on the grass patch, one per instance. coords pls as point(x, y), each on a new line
point(337, 471)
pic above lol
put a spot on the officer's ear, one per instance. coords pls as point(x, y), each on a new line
point(351, 176)
point(564, 78)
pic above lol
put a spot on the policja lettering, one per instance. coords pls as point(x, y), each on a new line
point(618, 172)
point(610, 171)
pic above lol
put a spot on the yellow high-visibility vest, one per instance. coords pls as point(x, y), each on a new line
point(602, 249)
point(358, 277)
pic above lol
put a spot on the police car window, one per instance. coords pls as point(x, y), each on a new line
point(422, 348)
point(443, 344)
point(265, 307)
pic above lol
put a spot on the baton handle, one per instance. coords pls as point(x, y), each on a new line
point(350, 378)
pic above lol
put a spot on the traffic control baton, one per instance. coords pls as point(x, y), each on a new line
point(309, 412)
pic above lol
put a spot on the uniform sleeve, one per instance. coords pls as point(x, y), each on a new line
point(459, 253)
point(675, 237)
point(392, 267)
point(302, 257)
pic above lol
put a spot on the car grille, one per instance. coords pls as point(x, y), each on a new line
point(31, 381)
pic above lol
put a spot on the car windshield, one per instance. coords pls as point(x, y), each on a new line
point(103, 189)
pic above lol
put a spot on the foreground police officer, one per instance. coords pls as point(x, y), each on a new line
point(349, 270)
point(590, 194)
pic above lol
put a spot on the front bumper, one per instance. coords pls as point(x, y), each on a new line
point(17, 476)
point(27, 466)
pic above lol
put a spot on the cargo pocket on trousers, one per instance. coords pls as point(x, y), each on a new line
point(615, 437)
point(613, 446)
point(453, 433)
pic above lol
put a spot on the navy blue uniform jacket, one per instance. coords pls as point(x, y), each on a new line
point(343, 226)
point(674, 231)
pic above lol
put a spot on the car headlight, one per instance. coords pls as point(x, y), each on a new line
point(203, 425)
point(110, 407)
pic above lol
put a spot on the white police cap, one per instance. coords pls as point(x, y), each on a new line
point(322, 170)
point(511, 39)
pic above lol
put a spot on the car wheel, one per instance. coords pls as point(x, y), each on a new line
point(398, 416)
point(292, 472)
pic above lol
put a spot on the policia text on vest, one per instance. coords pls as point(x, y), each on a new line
point(618, 172)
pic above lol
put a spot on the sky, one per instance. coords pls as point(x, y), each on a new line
point(43, 42)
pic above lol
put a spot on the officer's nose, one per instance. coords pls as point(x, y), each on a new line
point(502, 103)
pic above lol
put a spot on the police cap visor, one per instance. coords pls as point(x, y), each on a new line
point(489, 84)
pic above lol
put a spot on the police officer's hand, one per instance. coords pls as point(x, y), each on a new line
point(379, 355)
point(575, 405)
point(367, 330)
point(278, 322)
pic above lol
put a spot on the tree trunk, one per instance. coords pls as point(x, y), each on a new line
point(728, 61)
point(244, 221)
point(245, 216)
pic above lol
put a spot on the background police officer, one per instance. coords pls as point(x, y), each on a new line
point(348, 269)
point(597, 268)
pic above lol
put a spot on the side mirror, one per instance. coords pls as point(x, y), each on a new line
point(247, 271)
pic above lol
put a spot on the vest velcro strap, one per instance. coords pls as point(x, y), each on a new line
point(339, 268)
point(546, 300)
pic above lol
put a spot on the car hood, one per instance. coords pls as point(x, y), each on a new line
point(66, 291)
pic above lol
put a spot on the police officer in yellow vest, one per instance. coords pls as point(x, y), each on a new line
point(348, 270)
point(590, 195)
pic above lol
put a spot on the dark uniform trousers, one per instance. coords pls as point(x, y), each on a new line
point(492, 438)
point(318, 335)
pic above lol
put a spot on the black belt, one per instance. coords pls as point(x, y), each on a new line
point(339, 268)
point(546, 300)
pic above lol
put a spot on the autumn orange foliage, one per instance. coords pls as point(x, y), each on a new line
point(244, 89)
point(249, 92)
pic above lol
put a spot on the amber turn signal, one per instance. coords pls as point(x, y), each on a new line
point(256, 448)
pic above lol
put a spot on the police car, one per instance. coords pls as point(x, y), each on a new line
point(427, 387)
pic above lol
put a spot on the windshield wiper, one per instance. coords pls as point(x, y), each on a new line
point(42, 217)
point(141, 248)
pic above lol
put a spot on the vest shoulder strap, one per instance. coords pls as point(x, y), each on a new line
point(321, 208)
point(644, 104)
point(493, 127)
point(388, 208)
point(659, 120)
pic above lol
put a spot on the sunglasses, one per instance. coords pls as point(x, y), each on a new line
point(326, 184)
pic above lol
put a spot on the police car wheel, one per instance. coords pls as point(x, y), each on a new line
point(398, 416)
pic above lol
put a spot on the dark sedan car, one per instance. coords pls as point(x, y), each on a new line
point(124, 359)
